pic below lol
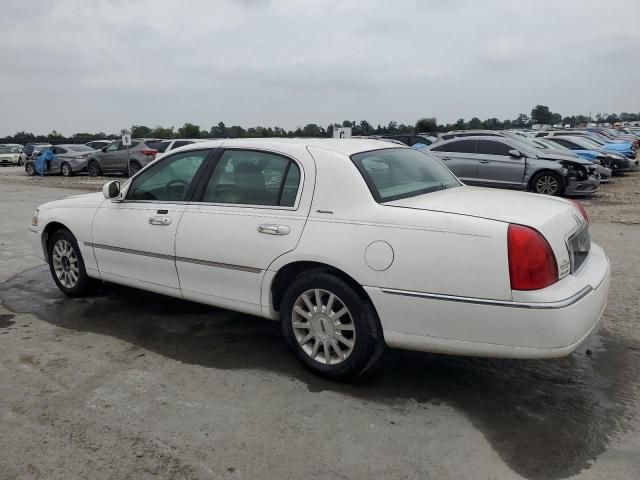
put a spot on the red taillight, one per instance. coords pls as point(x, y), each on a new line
point(149, 153)
point(532, 264)
point(582, 210)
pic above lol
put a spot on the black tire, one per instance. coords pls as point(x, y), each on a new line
point(30, 169)
point(94, 168)
point(84, 284)
point(66, 170)
point(135, 167)
point(20, 162)
point(368, 341)
point(544, 183)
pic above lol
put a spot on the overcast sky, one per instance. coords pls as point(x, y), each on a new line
point(83, 65)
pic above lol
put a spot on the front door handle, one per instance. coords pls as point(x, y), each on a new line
point(159, 220)
point(271, 229)
point(446, 159)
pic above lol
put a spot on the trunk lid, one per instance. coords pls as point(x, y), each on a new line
point(555, 218)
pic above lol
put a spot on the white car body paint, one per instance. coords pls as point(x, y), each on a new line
point(442, 285)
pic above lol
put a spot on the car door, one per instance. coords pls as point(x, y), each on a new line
point(249, 213)
point(109, 158)
point(497, 167)
point(134, 239)
point(56, 162)
point(460, 157)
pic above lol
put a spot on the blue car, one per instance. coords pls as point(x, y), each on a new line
point(590, 150)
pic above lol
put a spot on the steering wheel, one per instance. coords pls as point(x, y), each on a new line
point(171, 185)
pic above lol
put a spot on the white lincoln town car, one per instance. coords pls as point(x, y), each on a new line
point(353, 245)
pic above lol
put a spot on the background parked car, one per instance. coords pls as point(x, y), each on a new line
point(412, 139)
point(98, 144)
point(10, 155)
point(507, 163)
point(113, 158)
point(69, 159)
point(584, 145)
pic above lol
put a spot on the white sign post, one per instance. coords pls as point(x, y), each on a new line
point(342, 132)
point(126, 141)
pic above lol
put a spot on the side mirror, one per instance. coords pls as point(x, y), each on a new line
point(111, 190)
point(104, 149)
point(515, 153)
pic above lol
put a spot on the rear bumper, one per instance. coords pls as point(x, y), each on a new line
point(544, 324)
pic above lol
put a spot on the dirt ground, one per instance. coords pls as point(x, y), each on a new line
point(128, 384)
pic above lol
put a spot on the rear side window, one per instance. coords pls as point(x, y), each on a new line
point(463, 146)
point(181, 143)
point(247, 177)
point(490, 147)
point(440, 148)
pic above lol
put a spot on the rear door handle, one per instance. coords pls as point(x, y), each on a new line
point(160, 220)
point(446, 158)
point(271, 229)
point(485, 161)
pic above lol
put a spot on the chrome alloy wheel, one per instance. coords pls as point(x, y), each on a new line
point(65, 263)
point(547, 185)
point(323, 326)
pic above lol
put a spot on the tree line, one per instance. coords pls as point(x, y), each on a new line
point(540, 114)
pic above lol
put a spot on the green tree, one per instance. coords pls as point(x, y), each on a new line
point(460, 124)
point(53, 136)
point(162, 132)
point(426, 125)
point(189, 130)
point(475, 123)
point(541, 114)
point(236, 131)
point(218, 131)
point(140, 131)
point(556, 118)
point(522, 121)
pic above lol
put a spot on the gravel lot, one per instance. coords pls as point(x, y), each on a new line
point(129, 384)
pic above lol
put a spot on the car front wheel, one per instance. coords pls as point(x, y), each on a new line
point(547, 183)
point(67, 265)
point(30, 169)
point(332, 330)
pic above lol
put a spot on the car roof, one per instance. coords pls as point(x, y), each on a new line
point(345, 146)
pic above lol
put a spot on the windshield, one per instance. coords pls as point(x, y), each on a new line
point(8, 150)
point(395, 173)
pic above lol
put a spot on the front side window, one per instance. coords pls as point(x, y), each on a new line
point(490, 147)
point(168, 180)
point(396, 173)
point(248, 177)
point(114, 146)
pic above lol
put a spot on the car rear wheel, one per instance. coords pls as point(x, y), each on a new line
point(547, 183)
point(30, 169)
point(66, 170)
point(93, 168)
point(67, 265)
point(331, 329)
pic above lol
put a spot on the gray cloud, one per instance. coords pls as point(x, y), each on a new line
point(104, 65)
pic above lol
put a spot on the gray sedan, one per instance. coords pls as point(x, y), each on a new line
point(69, 159)
point(507, 163)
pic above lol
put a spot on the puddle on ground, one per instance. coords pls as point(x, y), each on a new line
point(547, 419)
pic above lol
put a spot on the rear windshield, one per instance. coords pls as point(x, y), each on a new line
point(395, 173)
